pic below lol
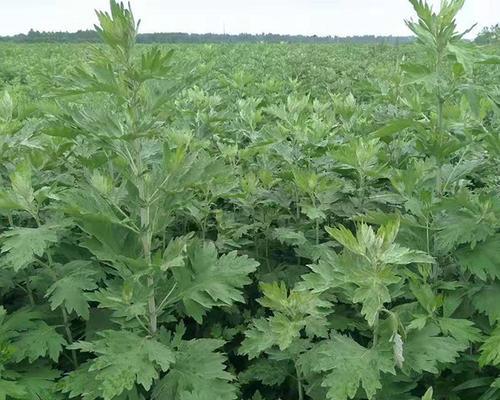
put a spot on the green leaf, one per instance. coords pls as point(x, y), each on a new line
point(378, 248)
point(473, 383)
point(483, 260)
point(490, 350)
point(393, 127)
point(11, 390)
point(399, 255)
point(269, 372)
point(122, 360)
point(40, 382)
point(278, 330)
point(29, 337)
point(295, 304)
point(325, 275)
point(9, 202)
point(76, 383)
point(418, 74)
point(199, 368)
point(69, 291)
point(428, 394)
point(465, 56)
point(372, 296)
point(118, 29)
point(425, 296)
point(370, 269)
point(289, 236)
point(209, 281)
point(96, 216)
point(155, 64)
point(22, 186)
point(195, 395)
point(424, 349)
point(292, 312)
point(461, 329)
point(348, 366)
point(11, 325)
point(460, 225)
point(313, 213)
point(345, 237)
point(39, 341)
point(174, 254)
point(21, 246)
point(487, 301)
point(6, 107)
point(360, 154)
point(261, 336)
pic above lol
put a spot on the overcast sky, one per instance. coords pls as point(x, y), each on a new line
point(309, 17)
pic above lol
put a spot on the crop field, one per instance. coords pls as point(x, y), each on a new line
point(250, 221)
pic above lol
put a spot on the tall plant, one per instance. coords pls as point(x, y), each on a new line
point(127, 267)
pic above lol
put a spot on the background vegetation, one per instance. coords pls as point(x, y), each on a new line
point(179, 37)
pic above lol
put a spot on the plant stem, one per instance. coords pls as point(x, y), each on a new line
point(439, 97)
point(69, 335)
point(66, 321)
point(316, 222)
point(30, 294)
point(362, 189)
point(297, 206)
point(146, 246)
point(146, 239)
point(266, 247)
point(300, 389)
point(9, 218)
point(375, 330)
point(317, 231)
point(427, 237)
point(153, 318)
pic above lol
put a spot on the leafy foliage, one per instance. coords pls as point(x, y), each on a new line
point(198, 370)
point(22, 245)
point(347, 366)
point(208, 282)
point(122, 359)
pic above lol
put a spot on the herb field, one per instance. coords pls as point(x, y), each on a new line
point(261, 222)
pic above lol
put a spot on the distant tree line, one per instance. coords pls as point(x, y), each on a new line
point(90, 36)
point(489, 35)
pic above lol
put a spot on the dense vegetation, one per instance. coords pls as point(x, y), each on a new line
point(226, 222)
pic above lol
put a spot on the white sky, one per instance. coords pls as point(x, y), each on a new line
point(308, 17)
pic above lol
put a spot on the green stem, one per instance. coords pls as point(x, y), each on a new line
point(316, 221)
point(66, 321)
point(300, 389)
point(30, 294)
point(297, 216)
point(439, 97)
point(427, 237)
point(266, 247)
point(69, 336)
point(317, 231)
point(146, 246)
point(362, 189)
point(297, 207)
point(375, 331)
point(146, 239)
